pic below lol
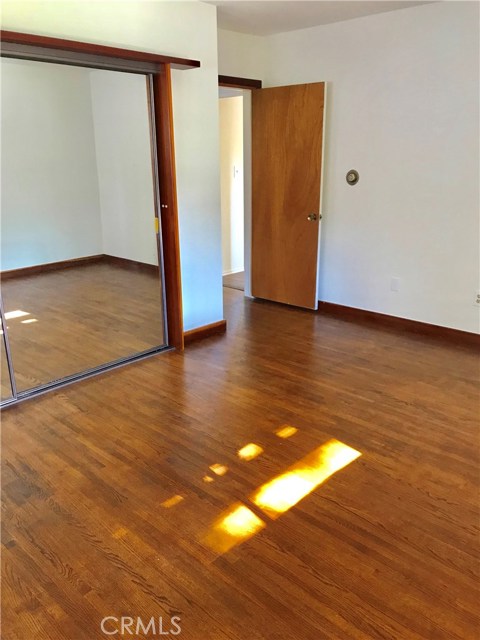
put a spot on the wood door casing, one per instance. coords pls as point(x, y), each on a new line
point(287, 140)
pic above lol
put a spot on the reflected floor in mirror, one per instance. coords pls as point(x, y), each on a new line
point(301, 478)
point(65, 321)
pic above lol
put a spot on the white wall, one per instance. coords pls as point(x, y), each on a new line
point(122, 142)
point(50, 200)
point(231, 179)
point(241, 55)
point(403, 109)
point(185, 29)
point(76, 172)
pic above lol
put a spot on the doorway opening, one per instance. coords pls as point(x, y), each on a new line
point(235, 98)
point(232, 187)
point(283, 135)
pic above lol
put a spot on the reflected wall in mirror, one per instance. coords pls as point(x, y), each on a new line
point(81, 279)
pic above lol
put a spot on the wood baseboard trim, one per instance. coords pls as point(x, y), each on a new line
point(444, 334)
point(126, 263)
point(206, 331)
point(50, 266)
point(79, 262)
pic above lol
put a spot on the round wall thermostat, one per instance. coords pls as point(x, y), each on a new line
point(352, 177)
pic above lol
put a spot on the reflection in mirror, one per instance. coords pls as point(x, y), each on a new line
point(5, 384)
point(80, 269)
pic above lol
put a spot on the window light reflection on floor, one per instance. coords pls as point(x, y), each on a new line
point(286, 432)
point(234, 526)
point(286, 490)
point(29, 321)
point(171, 502)
point(239, 523)
point(219, 469)
point(15, 314)
point(249, 451)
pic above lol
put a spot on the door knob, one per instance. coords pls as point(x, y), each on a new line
point(312, 217)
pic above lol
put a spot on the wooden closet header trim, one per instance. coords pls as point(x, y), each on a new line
point(239, 83)
point(89, 48)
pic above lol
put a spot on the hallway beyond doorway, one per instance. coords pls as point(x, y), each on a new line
point(235, 280)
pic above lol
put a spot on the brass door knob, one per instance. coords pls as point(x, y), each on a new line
point(312, 217)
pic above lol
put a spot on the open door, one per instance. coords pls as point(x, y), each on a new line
point(287, 142)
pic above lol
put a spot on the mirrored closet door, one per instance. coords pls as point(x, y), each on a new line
point(6, 390)
point(81, 268)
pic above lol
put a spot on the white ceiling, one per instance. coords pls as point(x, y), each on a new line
point(270, 16)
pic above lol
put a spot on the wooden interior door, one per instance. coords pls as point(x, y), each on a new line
point(287, 137)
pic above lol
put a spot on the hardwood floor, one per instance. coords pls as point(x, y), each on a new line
point(79, 318)
point(107, 511)
point(235, 281)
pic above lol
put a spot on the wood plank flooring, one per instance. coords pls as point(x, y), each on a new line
point(387, 547)
point(235, 281)
point(79, 318)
